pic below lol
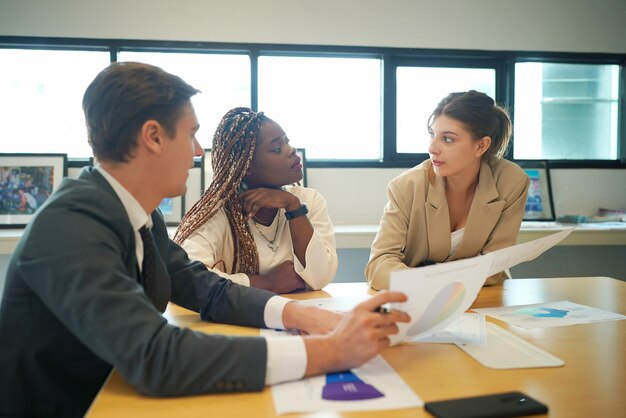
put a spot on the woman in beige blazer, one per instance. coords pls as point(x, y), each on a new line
point(464, 201)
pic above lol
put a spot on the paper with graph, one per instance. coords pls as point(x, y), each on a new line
point(439, 294)
point(373, 386)
point(550, 314)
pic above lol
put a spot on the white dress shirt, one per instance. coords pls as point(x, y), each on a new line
point(286, 356)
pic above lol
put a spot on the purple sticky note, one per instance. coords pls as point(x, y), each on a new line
point(346, 386)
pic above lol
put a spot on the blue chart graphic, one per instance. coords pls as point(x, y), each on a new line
point(543, 312)
point(346, 386)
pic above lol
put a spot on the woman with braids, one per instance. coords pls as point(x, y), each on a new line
point(464, 201)
point(253, 224)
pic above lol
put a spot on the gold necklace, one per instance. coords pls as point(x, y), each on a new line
point(271, 244)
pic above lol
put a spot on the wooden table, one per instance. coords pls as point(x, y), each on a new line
point(591, 384)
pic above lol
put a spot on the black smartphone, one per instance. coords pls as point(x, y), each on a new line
point(500, 405)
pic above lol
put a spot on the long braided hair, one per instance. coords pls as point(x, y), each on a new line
point(234, 144)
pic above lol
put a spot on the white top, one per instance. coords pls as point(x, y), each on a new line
point(286, 357)
point(212, 243)
point(456, 238)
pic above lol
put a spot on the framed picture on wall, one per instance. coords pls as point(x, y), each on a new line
point(173, 209)
point(302, 154)
point(539, 205)
point(26, 182)
point(207, 170)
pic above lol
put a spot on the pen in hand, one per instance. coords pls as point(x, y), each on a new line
point(382, 310)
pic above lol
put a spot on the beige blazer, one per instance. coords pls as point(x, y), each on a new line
point(415, 226)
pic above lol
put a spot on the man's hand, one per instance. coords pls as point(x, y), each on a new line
point(360, 336)
point(281, 279)
point(310, 319)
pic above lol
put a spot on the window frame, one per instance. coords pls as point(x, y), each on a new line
point(573, 58)
point(502, 61)
point(297, 51)
point(469, 61)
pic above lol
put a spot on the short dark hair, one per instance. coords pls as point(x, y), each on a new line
point(122, 98)
point(481, 116)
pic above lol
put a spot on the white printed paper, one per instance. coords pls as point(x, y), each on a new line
point(550, 314)
point(506, 258)
point(469, 328)
point(373, 386)
point(437, 295)
point(505, 350)
point(440, 293)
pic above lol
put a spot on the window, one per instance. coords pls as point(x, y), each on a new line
point(224, 80)
point(41, 92)
point(347, 106)
point(329, 106)
point(566, 111)
point(419, 89)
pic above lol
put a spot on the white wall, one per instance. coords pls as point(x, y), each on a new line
point(545, 25)
point(357, 195)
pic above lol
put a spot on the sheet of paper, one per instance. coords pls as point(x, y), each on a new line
point(550, 314)
point(437, 294)
point(506, 258)
point(505, 350)
point(373, 386)
point(469, 328)
point(337, 304)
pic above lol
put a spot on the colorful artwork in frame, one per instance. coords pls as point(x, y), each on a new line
point(26, 182)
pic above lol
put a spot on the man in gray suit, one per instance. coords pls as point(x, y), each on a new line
point(95, 269)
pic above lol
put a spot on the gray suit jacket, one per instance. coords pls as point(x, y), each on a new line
point(415, 226)
point(73, 308)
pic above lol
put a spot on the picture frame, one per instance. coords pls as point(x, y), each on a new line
point(207, 169)
point(173, 209)
point(302, 154)
point(539, 204)
point(26, 182)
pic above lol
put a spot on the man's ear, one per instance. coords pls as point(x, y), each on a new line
point(482, 145)
point(151, 135)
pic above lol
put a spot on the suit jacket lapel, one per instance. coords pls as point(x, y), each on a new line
point(484, 214)
point(437, 221)
point(160, 292)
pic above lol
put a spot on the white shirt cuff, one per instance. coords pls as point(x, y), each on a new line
point(286, 359)
point(273, 313)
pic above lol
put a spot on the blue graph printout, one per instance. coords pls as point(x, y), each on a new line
point(550, 314)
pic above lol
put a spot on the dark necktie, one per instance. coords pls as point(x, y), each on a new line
point(148, 266)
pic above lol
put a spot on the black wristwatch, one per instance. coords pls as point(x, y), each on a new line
point(301, 211)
